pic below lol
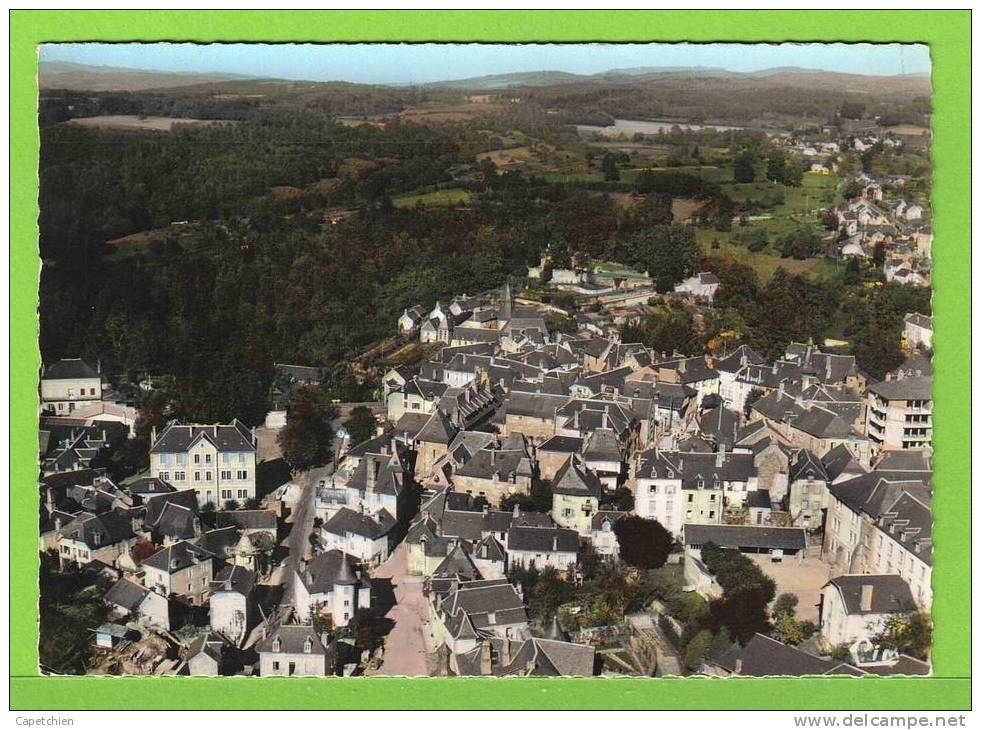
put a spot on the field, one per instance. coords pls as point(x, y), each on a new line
point(125, 122)
point(450, 196)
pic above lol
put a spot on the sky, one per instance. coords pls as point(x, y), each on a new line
point(424, 63)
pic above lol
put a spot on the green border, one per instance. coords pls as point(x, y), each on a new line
point(947, 33)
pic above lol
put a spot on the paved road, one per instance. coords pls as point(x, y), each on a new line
point(298, 541)
point(405, 646)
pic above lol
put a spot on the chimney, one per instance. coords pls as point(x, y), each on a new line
point(774, 367)
point(486, 660)
point(720, 457)
point(516, 512)
point(555, 543)
point(493, 454)
point(371, 472)
point(739, 667)
point(682, 365)
point(866, 603)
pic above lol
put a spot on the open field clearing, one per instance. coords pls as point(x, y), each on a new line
point(128, 122)
point(449, 196)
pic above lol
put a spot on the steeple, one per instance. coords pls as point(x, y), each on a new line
point(506, 304)
point(554, 631)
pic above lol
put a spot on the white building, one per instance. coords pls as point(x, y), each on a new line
point(218, 461)
point(854, 608)
point(293, 651)
point(918, 331)
point(69, 384)
point(700, 286)
point(231, 605)
point(330, 585)
point(899, 413)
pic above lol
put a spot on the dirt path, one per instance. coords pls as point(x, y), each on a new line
point(405, 646)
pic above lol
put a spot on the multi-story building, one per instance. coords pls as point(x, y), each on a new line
point(218, 462)
point(899, 413)
point(69, 384)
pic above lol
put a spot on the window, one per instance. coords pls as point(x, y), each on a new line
point(711, 514)
point(180, 476)
point(243, 474)
point(197, 476)
point(91, 391)
point(207, 458)
point(691, 498)
point(197, 458)
point(164, 476)
point(226, 493)
point(226, 474)
point(207, 476)
point(243, 493)
point(275, 666)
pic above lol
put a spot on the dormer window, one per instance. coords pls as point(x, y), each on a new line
point(307, 645)
point(277, 645)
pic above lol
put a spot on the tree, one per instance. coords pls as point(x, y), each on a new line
point(541, 495)
point(911, 635)
point(776, 164)
point(793, 174)
point(623, 499)
point(785, 603)
point(306, 438)
point(669, 253)
point(787, 630)
point(879, 255)
point(754, 395)
point(643, 543)
point(742, 612)
point(610, 171)
point(360, 425)
point(745, 169)
point(853, 272)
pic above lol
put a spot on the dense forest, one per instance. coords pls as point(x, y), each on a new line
point(206, 253)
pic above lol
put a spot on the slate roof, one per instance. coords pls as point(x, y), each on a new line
point(389, 475)
point(177, 557)
point(126, 594)
point(920, 320)
point(721, 425)
point(738, 358)
point(747, 536)
point(226, 437)
point(539, 657)
point(763, 657)
point(693, 468)
point(150, 486)
point(906, 388)
point(808, 466)
point(504, 462)
point(873, 493)
point(248, 519)
point(69, 369)
point(175, 521)
point(912, 460)
point(292, 640)
point(346, 520)
point(562, 445)
point(890, 593)
point(606, 515)
point(327, 569)
point(221, 542)
point(910, 522)
point(543, 539)
point(438, 429)
point(534, 405)
point(840, 460)
point(574, 479)
point(234, 578)
point(156, 504)
point(99, 530)
point(602, 445)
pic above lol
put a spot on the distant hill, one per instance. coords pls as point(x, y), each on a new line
point(787, 76)
point(82, 77)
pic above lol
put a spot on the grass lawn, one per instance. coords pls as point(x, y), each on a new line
point(436, 198)
point(764, 262)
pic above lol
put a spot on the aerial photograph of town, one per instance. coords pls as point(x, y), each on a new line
point(485, 360)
